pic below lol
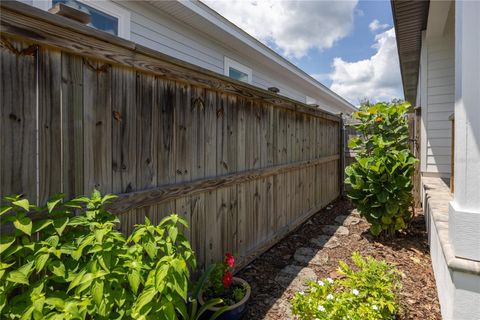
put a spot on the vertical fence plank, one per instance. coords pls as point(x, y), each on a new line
point(97, 126)
point(197, 169)
point(183, 147)
point(49, 123)
point(72, 129)
point(248, 194)
point(232, 159)
point(166, 167)
point(212, 238)
point(146, 137)
point(147, 127)
point(124, 130)
point(241, 188)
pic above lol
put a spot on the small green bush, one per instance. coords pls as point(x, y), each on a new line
point(381, 175)
point(74, 264)
point(366, 294)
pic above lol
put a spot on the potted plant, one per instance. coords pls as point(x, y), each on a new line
point(233, 291)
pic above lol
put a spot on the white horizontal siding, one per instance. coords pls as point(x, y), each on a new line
point(443, 81)
point(434, 151)
point(438, 160)
point(159, 32)
point(440, 95)
point(443, 169)
point(261, 81)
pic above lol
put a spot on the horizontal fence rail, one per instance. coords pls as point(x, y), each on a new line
point(83, 110)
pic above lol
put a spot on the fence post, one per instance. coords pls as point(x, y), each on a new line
point(342, 156)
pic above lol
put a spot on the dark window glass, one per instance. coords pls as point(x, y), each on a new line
point(236, 74)
point(99, 20)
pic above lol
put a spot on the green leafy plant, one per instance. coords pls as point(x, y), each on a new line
point(381, 175)
point(70, 262)
point(368, 293)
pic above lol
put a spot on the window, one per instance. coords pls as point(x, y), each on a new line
point(105, 15)
point(237, 71)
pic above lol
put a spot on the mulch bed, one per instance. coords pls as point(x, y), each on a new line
point(409, 252)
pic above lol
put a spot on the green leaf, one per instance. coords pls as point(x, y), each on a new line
point(53, 241)
point(391, 207)
point(52, 203)
point(376, 229)
point(76, 281)
point(5, 242)
point(57, 268)
point(55, 302)
point(17, 277)
point(100, 233)
point(108, 197)
point(151, 249)
point(382, 197)
point(134, 280)
point(97, 291)
point(209, 304)
point(399, 224)
point(40, 261)
point(23, 203)
point(4, 209)
point(354, 142)
point(59, 224)
point(147, 295)
point(41, 224)
point(24, 224)
point(172, 233)
point(160, 275)
point(386, 220)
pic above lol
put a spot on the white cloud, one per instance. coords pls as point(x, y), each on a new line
point(377, 78)
point(294, 27)
point(375, 25)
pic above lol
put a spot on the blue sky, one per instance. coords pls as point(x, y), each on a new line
point(355, 46)
point(348, 45)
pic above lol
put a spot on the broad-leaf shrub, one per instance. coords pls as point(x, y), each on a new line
point(74, 264)
point(368, 293)
point(381, 175)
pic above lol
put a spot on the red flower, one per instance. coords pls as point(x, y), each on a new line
point(229, 260)
point(227, 279)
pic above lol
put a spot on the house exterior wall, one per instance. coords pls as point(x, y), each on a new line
point(437, 78)
point(450, 79)
point(154, 29)
point(160, 31)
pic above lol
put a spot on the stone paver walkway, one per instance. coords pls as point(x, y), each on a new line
point(293, 277)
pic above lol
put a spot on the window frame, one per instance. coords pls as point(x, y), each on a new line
point(230, 63)
point(107, 7)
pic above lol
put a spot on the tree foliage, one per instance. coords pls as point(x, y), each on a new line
point(381, 175)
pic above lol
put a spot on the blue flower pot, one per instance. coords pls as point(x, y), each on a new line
point(234, 312)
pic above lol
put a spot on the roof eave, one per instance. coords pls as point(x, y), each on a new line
point(410, 19)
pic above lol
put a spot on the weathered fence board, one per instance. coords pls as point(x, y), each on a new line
point(18, 124)
point(244, 166)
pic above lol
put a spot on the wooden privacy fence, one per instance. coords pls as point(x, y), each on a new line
point(81, 109)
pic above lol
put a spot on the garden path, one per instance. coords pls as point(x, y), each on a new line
point(313, 251)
